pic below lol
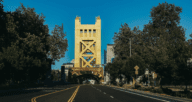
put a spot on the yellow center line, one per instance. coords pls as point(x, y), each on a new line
point(74, 94)
point(34, 98)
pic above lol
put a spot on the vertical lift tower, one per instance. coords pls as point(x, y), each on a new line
point(88, 48)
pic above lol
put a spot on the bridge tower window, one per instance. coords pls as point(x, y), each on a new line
point(94, 30)
point(81, 31)
point(85, 31)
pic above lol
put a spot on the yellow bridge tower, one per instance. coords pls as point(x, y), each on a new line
point(87, 47)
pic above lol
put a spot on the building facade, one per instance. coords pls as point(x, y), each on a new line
point(64, 71)
point(109, 56)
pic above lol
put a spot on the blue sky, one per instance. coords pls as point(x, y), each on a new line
point(113, 13)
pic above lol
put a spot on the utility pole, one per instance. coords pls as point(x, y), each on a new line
point(130, 47)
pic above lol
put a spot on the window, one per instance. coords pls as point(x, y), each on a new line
point(89, 30)
point(81, 31)
point(94, 31)
point(85, 31)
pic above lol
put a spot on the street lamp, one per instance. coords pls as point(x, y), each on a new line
point(130, 46)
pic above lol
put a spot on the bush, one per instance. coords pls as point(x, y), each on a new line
point(189, 95)
point(145, 89)
point(121, 84)
point(167, 91)
point(140, 88)
point(151, 83)
point(151, 90)
point(137, 86)
point(107, 83)
point(114, 83)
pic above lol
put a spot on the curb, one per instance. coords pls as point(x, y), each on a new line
point(169, 97)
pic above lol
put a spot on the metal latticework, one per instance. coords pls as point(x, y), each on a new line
point(87, 46)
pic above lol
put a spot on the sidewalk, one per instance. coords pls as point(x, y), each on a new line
point(12, 90)
point(173, 89)
point(7, 91)
point(130, 87)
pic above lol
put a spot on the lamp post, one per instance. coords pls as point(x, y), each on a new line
point(136, 72)
point(130, 46)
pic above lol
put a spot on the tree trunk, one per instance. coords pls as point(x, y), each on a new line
point(120, 79)
point(160, 83)
point(186, 86)
point(128, 79)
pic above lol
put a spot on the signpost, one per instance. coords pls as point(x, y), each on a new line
point(136, 72)
point(136, 68)
point(154, 77)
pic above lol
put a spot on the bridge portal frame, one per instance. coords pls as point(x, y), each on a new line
point(87, 40)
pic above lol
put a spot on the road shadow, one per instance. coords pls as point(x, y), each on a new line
point(34, 89)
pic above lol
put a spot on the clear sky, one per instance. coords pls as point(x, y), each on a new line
point(113, 13)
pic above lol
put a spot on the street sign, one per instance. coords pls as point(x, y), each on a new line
point(146, 72)
point(136, 72)
point(136, 67)
point(154, 75)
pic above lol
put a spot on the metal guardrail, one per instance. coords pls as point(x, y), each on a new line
point(161, 96)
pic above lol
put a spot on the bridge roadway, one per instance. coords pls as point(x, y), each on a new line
point(75, 92)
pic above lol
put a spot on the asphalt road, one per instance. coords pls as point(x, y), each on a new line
point(83, 93)
point(27, 94)
point(98, 93)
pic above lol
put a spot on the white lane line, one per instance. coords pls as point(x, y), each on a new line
point(144, 96)
point(111, 96)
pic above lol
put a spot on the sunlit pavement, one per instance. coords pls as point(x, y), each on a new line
point(152, 95)
point(85, 93)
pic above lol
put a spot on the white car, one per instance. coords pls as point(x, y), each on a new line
point(92, 82)
point(84, 82)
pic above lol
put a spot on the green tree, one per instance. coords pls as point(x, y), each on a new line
point(166, 39)
point(2, 26)
point(58, 45)
point(122, 40)
point(27, 45)
point(121, 51)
